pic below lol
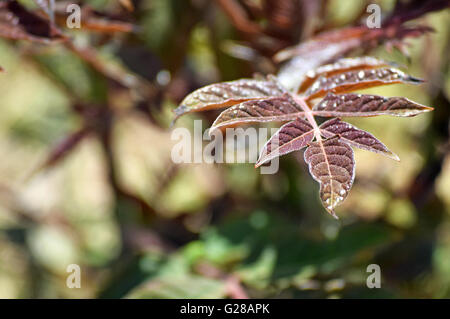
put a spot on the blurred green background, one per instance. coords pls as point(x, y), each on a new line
point(141, 226)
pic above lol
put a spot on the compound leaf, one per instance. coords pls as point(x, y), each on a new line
point(330, 157)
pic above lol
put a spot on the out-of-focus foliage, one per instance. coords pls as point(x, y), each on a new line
point(86, 175)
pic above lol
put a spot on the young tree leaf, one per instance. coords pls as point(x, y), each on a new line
point(357, 80)
point(338, 40)
point(351, 104)
point(341, 66)
point(328, 46)
point(311, 54)
point(331, 163)
point(225, 94)
point(355, 137)
point(330, 157)
point(280, 109)
point(292, 136)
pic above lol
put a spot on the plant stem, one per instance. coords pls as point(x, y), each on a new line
point(309, 116)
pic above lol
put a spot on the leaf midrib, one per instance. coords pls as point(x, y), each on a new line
point(310, 117)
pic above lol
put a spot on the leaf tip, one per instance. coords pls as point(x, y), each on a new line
point(332, 213)
point(179, 111)
point(329, 207)
point(424, 109)
point(415, 80)
point(260, 161)
point(395, 157)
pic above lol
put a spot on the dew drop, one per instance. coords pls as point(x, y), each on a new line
point(310, 74)
point(361, 75)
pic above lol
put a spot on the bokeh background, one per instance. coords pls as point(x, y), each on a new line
point(111, 200)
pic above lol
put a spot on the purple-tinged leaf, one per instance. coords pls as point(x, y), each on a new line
point(291, 73)
point(277, 109)
point(326, 47)
point(355, 137)
point(351, 105)
point(358, 80)
point(321, 43)
point(226, 94)
point(340, 66)
point(331, 163)
point(330, 157)
point(292, 136)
